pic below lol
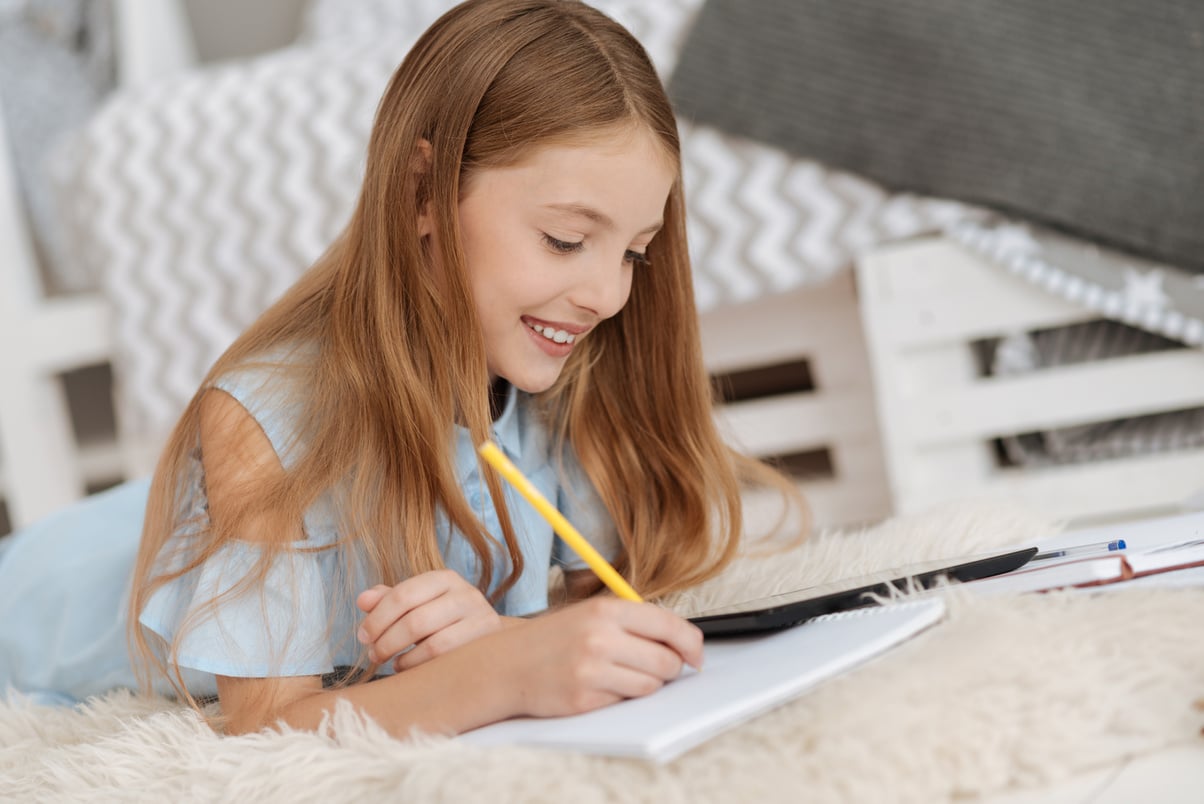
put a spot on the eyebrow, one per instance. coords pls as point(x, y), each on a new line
point(600, 218)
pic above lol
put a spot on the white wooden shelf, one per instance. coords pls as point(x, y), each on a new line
point(42, 468)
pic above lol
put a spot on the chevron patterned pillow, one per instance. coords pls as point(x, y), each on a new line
point(761, 221)
point(197, 201)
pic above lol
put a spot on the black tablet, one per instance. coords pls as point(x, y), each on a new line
point(791, 608)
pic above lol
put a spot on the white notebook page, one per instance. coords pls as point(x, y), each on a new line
point(741, 677)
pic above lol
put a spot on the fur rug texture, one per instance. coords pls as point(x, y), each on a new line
point(1007, 692)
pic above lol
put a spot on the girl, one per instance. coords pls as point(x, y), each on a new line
point(319, 527)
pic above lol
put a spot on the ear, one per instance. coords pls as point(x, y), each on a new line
point(420, 163)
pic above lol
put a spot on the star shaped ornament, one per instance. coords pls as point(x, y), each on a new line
point(1144, 290)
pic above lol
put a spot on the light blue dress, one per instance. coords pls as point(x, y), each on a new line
point(65, 581)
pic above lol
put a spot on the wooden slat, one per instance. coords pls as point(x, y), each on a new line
point(38, 450)
point(931, 292)
point(153, 40)
point(101, 461)
point(778, 328)
point(69, 333)
point(1068, 395)
point(833, 504)
point(1142, 486)
point(797, 422)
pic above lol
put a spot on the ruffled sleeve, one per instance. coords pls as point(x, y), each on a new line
point(237, 626)
point(231, 621)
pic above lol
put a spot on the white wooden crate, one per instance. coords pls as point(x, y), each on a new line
point(923, 304)
point(42, 467)
point(821, 326)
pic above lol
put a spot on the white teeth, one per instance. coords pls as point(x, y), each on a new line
point(557, 335)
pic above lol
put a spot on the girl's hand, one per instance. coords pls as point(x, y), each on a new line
point(595, 653)
point(435, 612)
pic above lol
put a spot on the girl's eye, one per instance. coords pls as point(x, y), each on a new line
point(635, 257)
point(561, 246)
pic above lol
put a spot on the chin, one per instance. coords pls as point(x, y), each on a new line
point(533, 387)
point(532, 382)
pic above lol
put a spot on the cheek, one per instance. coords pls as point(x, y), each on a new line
point(629, 287)
point(493, 260)
point(480, 272)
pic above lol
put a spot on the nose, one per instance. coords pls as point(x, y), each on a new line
point(603, 289)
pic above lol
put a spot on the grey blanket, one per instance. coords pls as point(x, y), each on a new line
point(1088, 116)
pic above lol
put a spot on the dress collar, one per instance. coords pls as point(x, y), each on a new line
point(506, 432)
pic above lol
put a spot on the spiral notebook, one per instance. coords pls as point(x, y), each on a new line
point(741, 678)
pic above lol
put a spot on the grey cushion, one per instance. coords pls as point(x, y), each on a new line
point(1084, 115)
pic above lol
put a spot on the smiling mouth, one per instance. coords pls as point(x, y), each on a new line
point(553, 334)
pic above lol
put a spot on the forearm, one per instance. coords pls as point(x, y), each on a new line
point(450, 694)
point(566, 662)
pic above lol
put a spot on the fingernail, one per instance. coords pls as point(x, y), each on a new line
point(362, 635)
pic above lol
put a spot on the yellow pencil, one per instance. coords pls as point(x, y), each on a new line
point(490, 452)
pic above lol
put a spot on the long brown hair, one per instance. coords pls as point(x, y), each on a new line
point(489, 81)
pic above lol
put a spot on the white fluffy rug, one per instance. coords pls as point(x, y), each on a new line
point(1007, 692)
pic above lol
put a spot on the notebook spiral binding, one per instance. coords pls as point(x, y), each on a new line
point(902, 605)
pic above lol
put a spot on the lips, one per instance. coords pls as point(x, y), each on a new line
point(555, 331)
point(554, 338)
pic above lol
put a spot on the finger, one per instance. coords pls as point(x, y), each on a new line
point(661, 625)
point(648, 657)
point(368, 598)
point(417, 625)
point(628, 683)
point(398, 600)
point(439, 643)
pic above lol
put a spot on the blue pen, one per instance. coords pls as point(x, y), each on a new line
point(1081, 549)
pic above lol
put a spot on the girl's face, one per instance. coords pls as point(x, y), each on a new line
point(551, 244)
